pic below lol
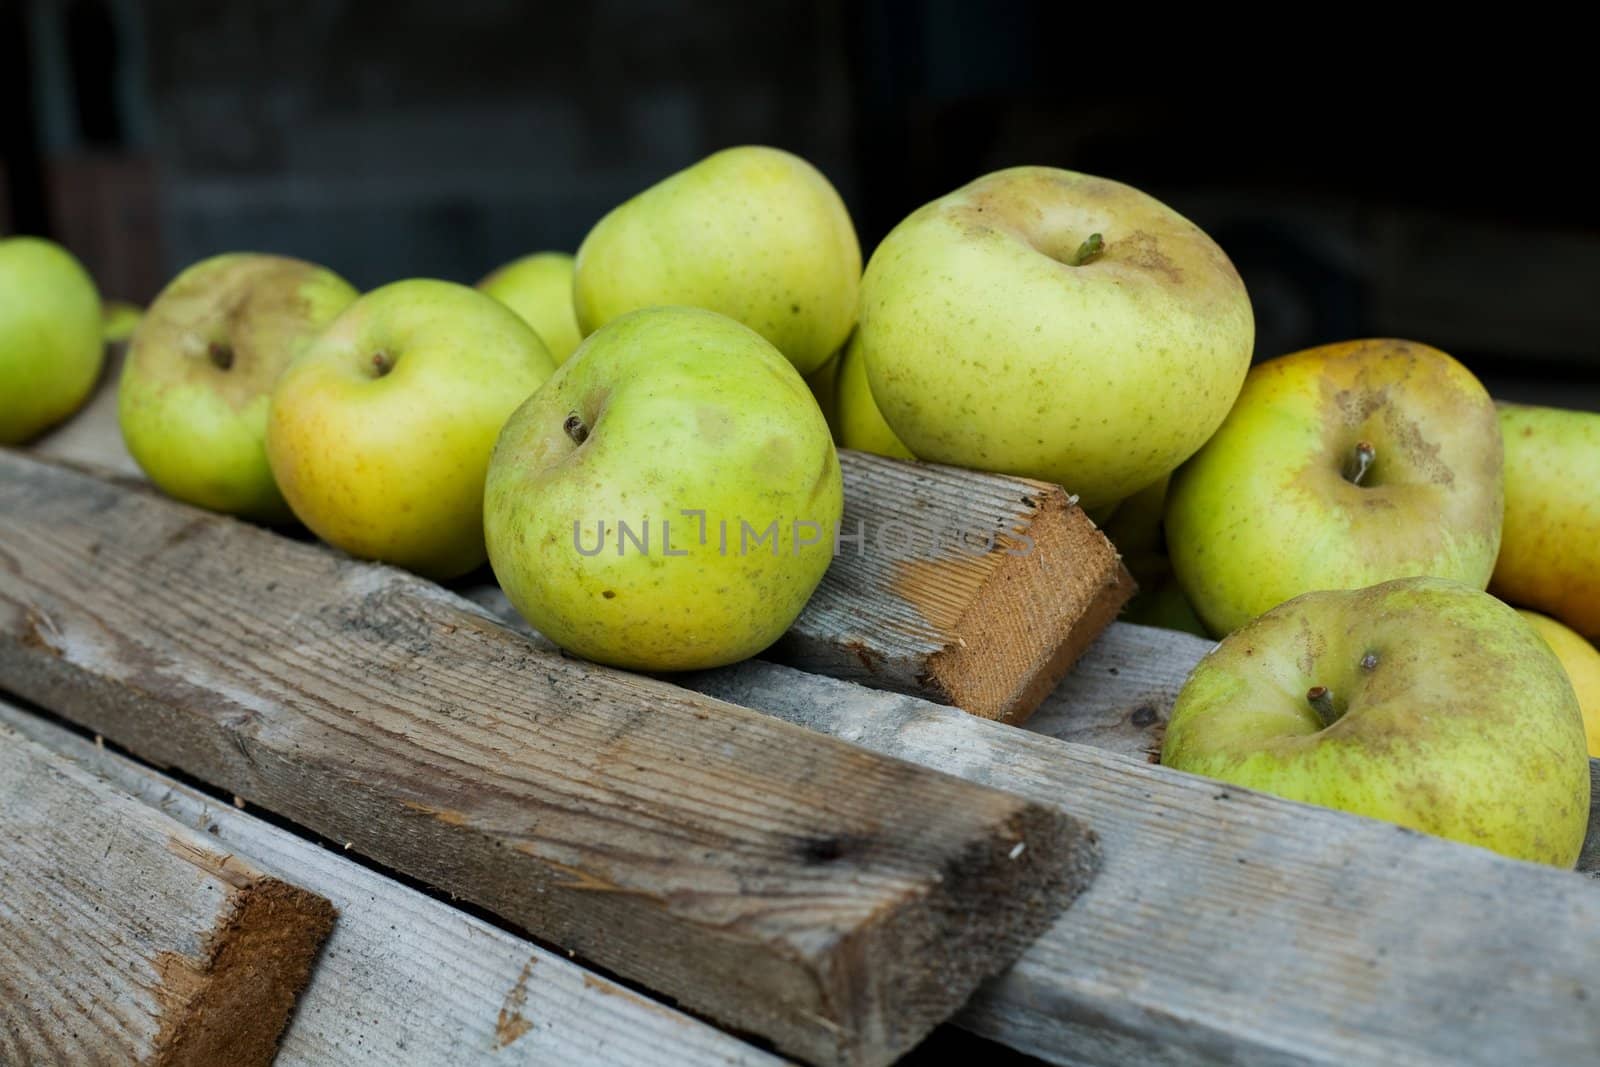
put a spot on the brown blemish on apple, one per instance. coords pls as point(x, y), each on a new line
point(1141, 250)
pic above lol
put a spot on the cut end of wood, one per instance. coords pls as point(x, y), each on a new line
point(995, 895)
point(1020, 618)
point(232, 1004)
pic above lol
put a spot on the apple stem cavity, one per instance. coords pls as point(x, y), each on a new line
point(1360, 462)
point(1321, 702)
point(382, 363)
point(1089, 251)
point(221, 355)
point(575, 429)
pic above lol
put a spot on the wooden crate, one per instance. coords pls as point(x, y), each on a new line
point(876, 856)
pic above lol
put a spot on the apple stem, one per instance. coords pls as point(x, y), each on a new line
point(221, 355)
point(1361, 462)
point(1321, 702)
point(381, 363)
point(575, 429)
point(1089, 251)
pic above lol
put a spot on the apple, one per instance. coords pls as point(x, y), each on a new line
point(1581, 661)
point(380, 432)
point(1550, 543)
point(668, 501)
point(539, 288)
point(824, 385)
point(1339, 467)
point(1421, 701)
point(754, 233)
point(118, 320)
point(1134, 528)
point(50, 345)
point(1054, 325)
point(860, 423)
point(193, 397)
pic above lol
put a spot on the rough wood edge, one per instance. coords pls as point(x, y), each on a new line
point(1006, 621)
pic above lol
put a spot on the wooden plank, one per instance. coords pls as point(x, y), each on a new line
point(834, 901)
point(905, 607)
point(405, 978)
point(126, 937)
point(919, 606)
point(1231, 927)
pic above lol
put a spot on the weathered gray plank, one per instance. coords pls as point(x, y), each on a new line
point(1230, 927)
point(126, 937)
point(404, 978)
point(990, 632)
point(834, 901)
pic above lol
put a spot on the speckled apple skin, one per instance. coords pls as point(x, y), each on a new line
point(685, 410)
point(754, 233)
point(197, 429)
point(1550, 544)
point(50, 343)
point(1461, 724)
point(1264, 512)
point(391, 466)
point(986, 348)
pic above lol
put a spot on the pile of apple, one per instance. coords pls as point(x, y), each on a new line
point(638, 441)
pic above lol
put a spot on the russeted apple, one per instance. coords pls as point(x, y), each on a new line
point(1421, 701)
point(754, 233)
point(1550, 544)
point(1339, 467)
point(539, 288)
point(669, 499)
point(1054, 325)
point(50, 337)
point(379, 434)
point(194, 391)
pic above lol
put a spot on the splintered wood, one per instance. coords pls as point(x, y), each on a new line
point(834, 901)
point(126, 937)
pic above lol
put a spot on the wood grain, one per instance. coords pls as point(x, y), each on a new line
point(906, 607)
point(932, 601)
point(834, 901)
point(405, 978)
point(1230, 927)
point(126, 937)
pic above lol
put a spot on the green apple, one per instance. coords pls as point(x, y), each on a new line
point(1135, 530)
point(824, 385)
point(1057, 326)
point(668, 501)
point(380, 432)
point(1420, 701)
point(754, 233)
point(539, 288)
point(118, 320)
point(193, 397)
point(1339, 467)
point(1550, 544)
point(50, 345)
point(860, 424)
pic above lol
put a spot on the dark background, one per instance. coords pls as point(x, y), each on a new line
point(1363, 186)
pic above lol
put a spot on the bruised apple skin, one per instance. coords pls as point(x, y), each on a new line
point(1339, 467)
point(1421, 702)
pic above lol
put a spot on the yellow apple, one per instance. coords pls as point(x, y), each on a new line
point(193, 397)
point(1550, 544)
point(1582, 663)
point(539, 288)
point(1054, 325)
point(380, 433)
point(1339, 467)
point(50, 344)
point(754, 233)
point(669, 499)
point(860, 424)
